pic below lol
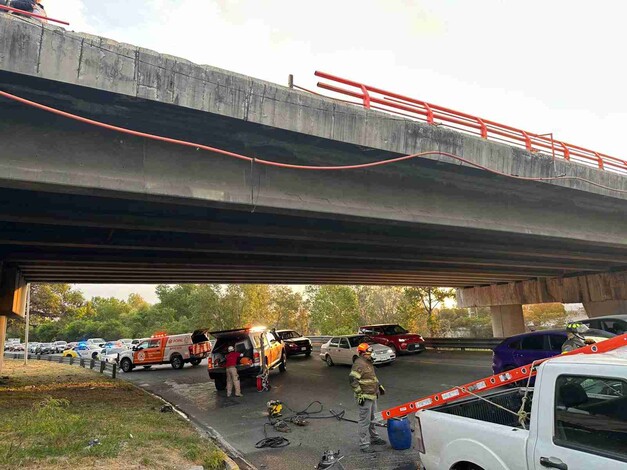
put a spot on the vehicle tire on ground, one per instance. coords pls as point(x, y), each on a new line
point(308, 353)
point(328, 360)
point(220, 383)
point(283, 363)
point(355, 358)
point(195, 362)
point(126, 365)
point(177, 362)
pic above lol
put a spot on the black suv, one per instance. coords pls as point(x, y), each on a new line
point(295, 343)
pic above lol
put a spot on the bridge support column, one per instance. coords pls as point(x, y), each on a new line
point(507, 320)
point(13, 291)
point(607, 307)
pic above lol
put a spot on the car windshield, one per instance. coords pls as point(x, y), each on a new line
point(289, 335)
point(394, 330)
point(598, 333)
point(97, 340)
point(357, 340)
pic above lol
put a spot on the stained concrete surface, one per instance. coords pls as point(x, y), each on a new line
point(241, 420)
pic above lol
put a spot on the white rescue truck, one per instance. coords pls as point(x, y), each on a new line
point(162, 348)
point(574, 418)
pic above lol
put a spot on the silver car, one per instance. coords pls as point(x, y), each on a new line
point(343, 350)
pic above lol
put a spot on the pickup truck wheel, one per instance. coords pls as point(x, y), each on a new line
point(328, 360)
point(220, 382)
point(126, 365)
point(195, 362)
point(283, 363)
point(177, 362)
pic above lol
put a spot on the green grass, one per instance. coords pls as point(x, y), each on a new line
point(50, 412)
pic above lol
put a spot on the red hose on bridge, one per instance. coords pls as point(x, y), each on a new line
point(261, 161)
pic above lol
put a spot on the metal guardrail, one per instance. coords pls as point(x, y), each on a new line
point(376, 98)
point(103, 367)
point(440, 343)
point(462, 343)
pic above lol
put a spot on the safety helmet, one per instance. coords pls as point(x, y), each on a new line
point(576, 328)
point(364, 348)
point(230, 349)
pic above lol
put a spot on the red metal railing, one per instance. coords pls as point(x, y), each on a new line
point(376, 98)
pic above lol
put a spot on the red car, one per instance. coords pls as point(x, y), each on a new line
point(395, 337)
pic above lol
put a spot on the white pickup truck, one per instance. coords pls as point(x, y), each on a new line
point(577, 420)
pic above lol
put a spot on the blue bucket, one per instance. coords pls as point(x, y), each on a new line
point(399, 433)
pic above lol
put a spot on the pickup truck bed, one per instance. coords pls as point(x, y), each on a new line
point(478, 409)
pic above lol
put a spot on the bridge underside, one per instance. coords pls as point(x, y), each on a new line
point(82, 204)
point(80, 238)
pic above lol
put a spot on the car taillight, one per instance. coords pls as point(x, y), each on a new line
point(257, 357)
point(209, 363)
point(420, 442)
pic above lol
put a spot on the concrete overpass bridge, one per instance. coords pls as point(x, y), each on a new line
point(82, 203)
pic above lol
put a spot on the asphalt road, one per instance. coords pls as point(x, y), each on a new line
point(241, 420)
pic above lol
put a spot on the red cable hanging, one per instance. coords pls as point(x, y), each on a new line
point(262, 161)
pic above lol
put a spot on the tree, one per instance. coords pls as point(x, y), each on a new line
point(53, 301)
point(463, 322)
point(424, 301)
point(378, 304)
point(549, 315)
point(333, 309)
point(287, 309)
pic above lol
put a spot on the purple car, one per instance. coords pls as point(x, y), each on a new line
point(520, 350)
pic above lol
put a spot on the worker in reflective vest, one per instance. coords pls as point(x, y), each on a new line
point(367, 388)
point(575, 338)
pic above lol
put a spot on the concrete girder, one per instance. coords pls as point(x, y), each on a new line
point(13, 295)
point(587, 288)
point(507, 320)
point(606, 307)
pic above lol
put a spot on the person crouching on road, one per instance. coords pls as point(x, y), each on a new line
point(366, 386)
point(232, 379)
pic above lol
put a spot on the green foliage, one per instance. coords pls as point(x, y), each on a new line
point(545, 315)
point(333, 309)
point(463, 322)
point(66, 315)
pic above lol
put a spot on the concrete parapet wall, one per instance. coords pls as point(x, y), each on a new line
point(52, 53)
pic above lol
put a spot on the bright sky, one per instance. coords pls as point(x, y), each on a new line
point(544, 66)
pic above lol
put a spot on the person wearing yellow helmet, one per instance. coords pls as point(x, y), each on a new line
point(366, 386)
point(575, 338)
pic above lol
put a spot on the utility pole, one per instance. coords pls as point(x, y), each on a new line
point(27, 324)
